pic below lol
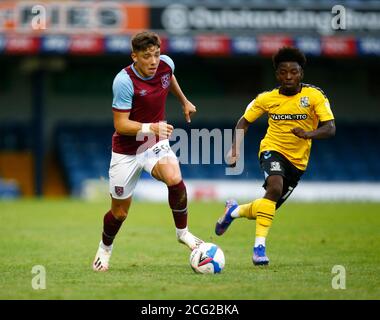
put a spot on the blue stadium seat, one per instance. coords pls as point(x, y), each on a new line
point(9, 189)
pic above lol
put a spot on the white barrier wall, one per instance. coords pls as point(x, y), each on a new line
point(220, 190)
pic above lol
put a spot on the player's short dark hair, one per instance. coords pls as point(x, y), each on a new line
point(289, 54)
point(144, 40)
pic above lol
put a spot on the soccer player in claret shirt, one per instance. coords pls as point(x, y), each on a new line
point(139, 97)
point(297, 113)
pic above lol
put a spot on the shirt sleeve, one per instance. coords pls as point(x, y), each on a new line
point(168, 61)
point(122, 92)
point(322, 108)
point(254, 110)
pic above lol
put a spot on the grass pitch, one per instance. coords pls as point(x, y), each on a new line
point(304, 244)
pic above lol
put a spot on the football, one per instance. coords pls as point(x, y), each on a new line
point(207, 258)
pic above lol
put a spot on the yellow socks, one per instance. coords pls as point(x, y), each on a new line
point(265, 212)
point(262, 210)
point(249, 210)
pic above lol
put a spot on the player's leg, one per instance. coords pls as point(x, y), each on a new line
point(112, 222)
point(114, 219)
point(262, 210)
point(250, 210)
point(282, 178)
point(124, 173)
point(167, 170)
point(286, 192)
point(265, 211)
point(164, 166)
point(292, 176)
point(278, 190)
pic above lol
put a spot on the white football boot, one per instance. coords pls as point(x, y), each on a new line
point(102, 258)
point(188, 239)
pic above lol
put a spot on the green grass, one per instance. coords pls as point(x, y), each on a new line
point(305, 242)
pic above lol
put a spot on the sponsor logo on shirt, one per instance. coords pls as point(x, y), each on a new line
point(296, 116)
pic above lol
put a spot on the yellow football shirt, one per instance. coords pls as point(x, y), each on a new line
point(304, 110)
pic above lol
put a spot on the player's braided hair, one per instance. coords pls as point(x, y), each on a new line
point(144, 40)
point(289, 54)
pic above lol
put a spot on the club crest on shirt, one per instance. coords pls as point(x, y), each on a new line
point(304, 102)
point(119, 190)
point(143, 92)
point(165, 80)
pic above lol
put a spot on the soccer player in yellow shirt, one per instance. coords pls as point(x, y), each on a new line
point(297, 113)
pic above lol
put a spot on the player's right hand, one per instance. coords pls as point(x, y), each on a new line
point(162, 129)
point(301, 133)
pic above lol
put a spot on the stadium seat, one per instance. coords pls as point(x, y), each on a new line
point(9, 189)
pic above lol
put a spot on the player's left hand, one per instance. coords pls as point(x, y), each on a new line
point(188, 110)
point(301, 133)
point(232, 156)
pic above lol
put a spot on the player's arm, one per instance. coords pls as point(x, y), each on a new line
point(125, 126)
point(187, 106)
point(253, 111)
point(325, 130)
point(240, 130)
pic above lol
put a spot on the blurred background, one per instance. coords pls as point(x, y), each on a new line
point(56, 89)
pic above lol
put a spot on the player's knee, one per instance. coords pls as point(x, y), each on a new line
point(120, 212)
point(274, 191)
point(173, 180)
